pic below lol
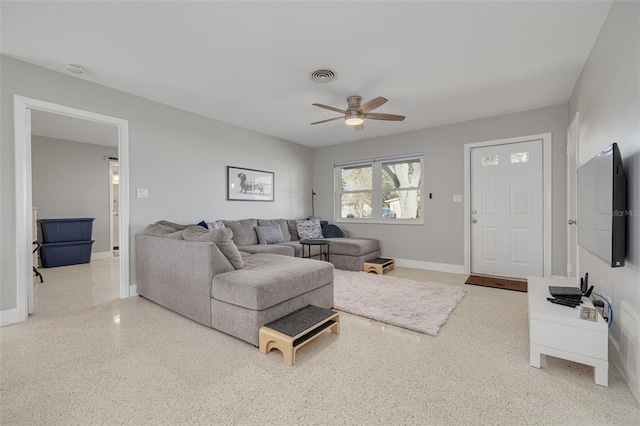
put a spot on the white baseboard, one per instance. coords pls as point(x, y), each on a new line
point(133, 290)
point(430, 266)
point(102, 255)
point(8, 316)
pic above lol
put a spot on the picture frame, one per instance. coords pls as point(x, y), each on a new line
point(249, 184)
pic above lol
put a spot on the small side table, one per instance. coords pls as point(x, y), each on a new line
point(324, 244)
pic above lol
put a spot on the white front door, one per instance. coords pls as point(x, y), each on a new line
point(507, 210)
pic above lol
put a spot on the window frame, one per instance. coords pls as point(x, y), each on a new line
point(376, 190)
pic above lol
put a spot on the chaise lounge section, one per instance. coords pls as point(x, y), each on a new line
point(207, 279)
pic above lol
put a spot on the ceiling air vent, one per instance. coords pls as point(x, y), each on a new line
point(322, 76)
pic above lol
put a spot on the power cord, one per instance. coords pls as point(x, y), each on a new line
point(600, 303)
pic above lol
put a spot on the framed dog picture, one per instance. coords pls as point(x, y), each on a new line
point(249, 184)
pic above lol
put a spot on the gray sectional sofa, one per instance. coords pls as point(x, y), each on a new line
point(225, 279)
point(345, 253)
point(198, 279)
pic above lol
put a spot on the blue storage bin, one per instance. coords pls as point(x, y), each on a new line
point(62, 254)
point(66, 230)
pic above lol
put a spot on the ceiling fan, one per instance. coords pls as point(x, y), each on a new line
point(356, 113)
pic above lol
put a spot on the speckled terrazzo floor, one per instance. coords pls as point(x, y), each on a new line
point(87, 358)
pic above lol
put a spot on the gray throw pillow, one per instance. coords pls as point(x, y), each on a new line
point(175, 226)
point(309, 229)
point(284, 226)
point(165, 231)
point(293, 228)
point(269, 234)
point(221, 238)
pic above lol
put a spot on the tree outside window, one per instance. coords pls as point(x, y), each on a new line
point(382, 190)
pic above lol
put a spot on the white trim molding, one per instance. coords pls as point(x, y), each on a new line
point(22, 107)
point(547, 199)
point(430, 266)
point(8, 316)
point(102, 255)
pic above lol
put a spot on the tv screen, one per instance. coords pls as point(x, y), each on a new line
point(602, 206)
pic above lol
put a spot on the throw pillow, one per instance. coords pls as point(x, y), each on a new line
point(269, 234)
point(221, 238)
point(309, 229)
point(165, 231)
point(284, 227)
point(293, 229)
point(215, 225)
point(203, 224)
point(175, 226)
point(332, 231)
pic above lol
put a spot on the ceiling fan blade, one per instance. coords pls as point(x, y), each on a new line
point(389, 117)
point(331, 119)
point(330, 108)
point(372, 104)
point(359, 127)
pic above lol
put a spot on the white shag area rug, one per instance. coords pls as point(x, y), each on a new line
point(415, 305)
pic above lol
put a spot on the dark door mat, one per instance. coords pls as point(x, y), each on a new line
point(507, 284)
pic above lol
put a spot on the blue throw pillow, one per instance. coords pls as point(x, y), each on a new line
point(332, 231)
point(323, 223)
point(203, 224)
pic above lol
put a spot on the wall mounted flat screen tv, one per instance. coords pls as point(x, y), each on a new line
point(602, 203)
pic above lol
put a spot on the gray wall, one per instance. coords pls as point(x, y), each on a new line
point(71, 179)
point(441, 238)
point(607, 96)
point(179, 156)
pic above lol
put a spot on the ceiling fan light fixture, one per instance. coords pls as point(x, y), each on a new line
point(353, 118)
point(354, 121)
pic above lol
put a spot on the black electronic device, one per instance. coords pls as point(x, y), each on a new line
point(602, 206)
point(565, 292)
point(571, 304)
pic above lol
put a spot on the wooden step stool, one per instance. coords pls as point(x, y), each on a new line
point(379, 265)
point(293, 331)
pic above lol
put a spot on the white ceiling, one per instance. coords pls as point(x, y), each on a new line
point(73, 129)
point(247, 63)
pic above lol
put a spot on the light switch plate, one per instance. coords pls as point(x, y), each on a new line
point(457, 198)
point(142, 193)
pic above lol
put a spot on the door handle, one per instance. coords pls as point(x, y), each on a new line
point(571, 222)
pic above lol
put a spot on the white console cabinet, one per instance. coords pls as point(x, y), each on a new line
point(558, 330)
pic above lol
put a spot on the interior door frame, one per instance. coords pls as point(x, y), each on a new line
point(111, 198)
point(22, 142)
point(573, 143)
point(546, 188)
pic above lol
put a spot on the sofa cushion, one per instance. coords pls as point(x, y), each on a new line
point(159, 230)
point(268, 280)
point(243, 232)
point(269, 234)
point(292, 224)
point(284, 226)
point(309, 229)
point(353, 246)
point(221, 238)
point(281, 248)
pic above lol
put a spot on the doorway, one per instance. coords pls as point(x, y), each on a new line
point(572, 198)
point(24, 234)
point(114, 203)
point(508, 207)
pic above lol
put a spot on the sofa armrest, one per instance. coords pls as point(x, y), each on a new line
point(177, 274)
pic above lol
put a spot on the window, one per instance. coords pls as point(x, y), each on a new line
point(380, 190)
